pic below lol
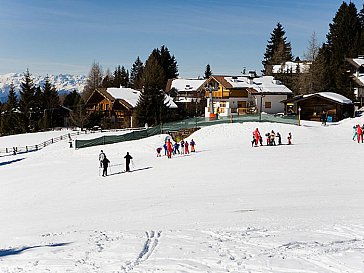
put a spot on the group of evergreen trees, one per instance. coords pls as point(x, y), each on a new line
point(149, 78)
point(37, 108)
point(328, 71)
point(40, 107)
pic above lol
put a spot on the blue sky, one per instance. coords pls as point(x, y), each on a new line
point(67, 36)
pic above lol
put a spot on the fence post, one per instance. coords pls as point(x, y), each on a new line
point(26, 148)
point(52, 140)
point(6, 149)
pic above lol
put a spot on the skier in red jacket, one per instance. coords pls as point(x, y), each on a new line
point(169, 148)
point(360, 133)
point(256, 135)
point(186, 148)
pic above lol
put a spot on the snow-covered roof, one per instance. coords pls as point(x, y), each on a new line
point(187, 85)
point(131, 96)
point(264, 84)
point(360, 78)
point(359, 61)
point(292, 67)
point(168, 100)
point(332, 96)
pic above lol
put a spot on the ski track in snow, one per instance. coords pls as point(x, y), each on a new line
point(247, 250)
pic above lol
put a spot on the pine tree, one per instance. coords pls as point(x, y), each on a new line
point(124, 77)
point(50, 103)
point(278, 50)
point(136, 75)
point(37, 112)
point(151, 108)
point(208, 72)
point(108, 80)
point(121, 77)
point(169, 65)
point(10, 118)
point(361, 35)
point(72, 100)
point(26, 102)
point(343, 41)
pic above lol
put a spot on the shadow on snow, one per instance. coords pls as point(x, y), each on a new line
point(16, 251)
point(11, 161)
point(135, 170)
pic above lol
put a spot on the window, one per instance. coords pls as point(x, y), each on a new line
point(241, 104)
point(222, 103)
point(107, 107)
point(267, 104)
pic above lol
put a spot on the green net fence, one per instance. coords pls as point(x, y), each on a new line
point(196, 122)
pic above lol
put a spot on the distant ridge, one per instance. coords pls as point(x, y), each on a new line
point(64, 83)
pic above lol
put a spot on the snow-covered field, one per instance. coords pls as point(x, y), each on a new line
point(226, 208)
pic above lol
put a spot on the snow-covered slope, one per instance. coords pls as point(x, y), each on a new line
point(229, 207)
point(64, 83)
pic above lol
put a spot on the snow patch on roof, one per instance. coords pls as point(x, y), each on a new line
point(264, 84)
point(187, 85)
point(359, 61)
point(332, 96)
point(131, 96)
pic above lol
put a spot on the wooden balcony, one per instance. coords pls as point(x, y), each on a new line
point(227, 94)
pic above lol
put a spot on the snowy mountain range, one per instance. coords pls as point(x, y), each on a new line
point(64, 83)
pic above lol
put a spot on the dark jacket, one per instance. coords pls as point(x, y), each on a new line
point(105, 163)
point(128, 157)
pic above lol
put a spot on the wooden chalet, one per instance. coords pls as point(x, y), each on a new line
point(335, 106)
point(116, 103)
point(236, 95)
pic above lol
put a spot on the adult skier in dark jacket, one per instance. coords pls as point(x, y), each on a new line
point(128, 157)
point(105, 164)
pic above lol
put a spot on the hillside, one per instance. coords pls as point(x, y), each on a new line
point(64, 83)
point(229, 207)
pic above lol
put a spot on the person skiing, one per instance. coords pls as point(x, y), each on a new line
point(128, 158)
point(272, 138)
point(256, 135)
point(253, 141)
point(289, 138)
point(192, 144)
point(260, 140)
point(186, 148)
point(176, 148)
point(105, 164)
point(279, 138)
point(182, 146)
point(323, 118)
point(101, 157)
point(268, 138)
point(159, 149)
point(360, 133)
point(169, 148)
point(165, 148)
point(355, 131)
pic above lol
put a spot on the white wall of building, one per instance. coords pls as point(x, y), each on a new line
point(275, 100)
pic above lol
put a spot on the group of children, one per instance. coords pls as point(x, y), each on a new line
point(174, 148)
point(358, 133)
point(270, 138)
